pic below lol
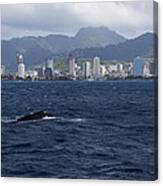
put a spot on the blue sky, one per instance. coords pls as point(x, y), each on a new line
point(130, 18)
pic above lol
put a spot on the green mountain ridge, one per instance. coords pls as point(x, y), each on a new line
point(37, 49)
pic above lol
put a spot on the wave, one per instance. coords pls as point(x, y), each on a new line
point(8, 120)
point(74, 119)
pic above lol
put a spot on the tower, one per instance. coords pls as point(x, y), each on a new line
point(21, 66)
point(86, 70)
point(71, 61)
point(49, 70)
point(138, 66)
point(96, 67)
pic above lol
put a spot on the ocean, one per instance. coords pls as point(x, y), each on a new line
point(101, 130)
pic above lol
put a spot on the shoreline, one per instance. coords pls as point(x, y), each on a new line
point(109, 80)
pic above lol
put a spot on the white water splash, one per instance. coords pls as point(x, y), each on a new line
point(49, 118)
point(8, 120)
point(72, 119)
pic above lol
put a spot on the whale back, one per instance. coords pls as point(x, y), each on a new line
point(35, 116)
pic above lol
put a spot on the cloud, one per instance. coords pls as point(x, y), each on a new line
point(127, 18)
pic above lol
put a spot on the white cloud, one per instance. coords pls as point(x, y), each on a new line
point(128, 18)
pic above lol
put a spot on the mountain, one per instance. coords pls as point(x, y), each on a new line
point(100, 37)
point(37, 49)
point(140, 46)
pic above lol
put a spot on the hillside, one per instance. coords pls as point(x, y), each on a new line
point(140, 46)
point(37, 49)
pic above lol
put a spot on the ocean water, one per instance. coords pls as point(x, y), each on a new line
point(101, 130)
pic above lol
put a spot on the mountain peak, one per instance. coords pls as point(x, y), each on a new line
point(89, 28)
point(96, 30)
point(99, 36)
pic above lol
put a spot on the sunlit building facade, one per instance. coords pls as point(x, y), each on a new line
point(21, 66)
point(96, 67)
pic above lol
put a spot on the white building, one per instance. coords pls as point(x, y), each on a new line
point(152, 65)
point(96, 67)
point(72, 66)
point(129, 69)
point(103, 70)
point(146, 70)
point(21, 70)
point(86, 69)
point(32, 74)
point(119, 67)
point(112, 68)
point(21, 66)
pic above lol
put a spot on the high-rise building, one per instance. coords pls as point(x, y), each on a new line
point(152, 65)
point(48, 73)
point(119, 67)
point(21, 70)
point(146, 70)
point(21, 66)
point(19, 58)
point(49, 69)
point(138, 66)
point(72, 69)
point(86, 70)
point(50, 64)
point(103, 70)
point(129, 69)
point(96, 67)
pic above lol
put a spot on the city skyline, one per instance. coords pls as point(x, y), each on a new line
point(39, 22)
point(93, 69)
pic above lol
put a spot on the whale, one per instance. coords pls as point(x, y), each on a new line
point(35, 116)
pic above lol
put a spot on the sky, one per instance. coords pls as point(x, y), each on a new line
point(130, 18)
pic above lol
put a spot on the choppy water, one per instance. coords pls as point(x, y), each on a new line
point(101, 130)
